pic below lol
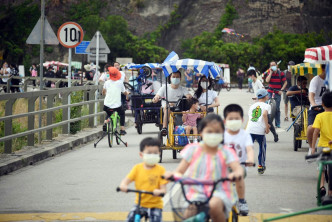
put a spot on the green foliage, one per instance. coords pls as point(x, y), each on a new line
point(48, 49)
point(15, 28)
point(274, 46)
point(75, 111)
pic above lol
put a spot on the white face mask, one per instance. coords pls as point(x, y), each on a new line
point(151, 159)
point(233, 125)
point(212, 139)
point(204, 85)
point(175, 81)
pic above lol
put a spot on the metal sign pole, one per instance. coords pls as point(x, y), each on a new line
point(41, 61)
point(97, 64)
point(69, 85)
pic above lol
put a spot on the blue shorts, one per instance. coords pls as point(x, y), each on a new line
point(155, 214)
point(312, 115)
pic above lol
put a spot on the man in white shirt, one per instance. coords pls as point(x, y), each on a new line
point(316, 89)
point(113, 89)
point(174, 92)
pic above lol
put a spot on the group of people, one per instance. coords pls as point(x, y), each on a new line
point(6, 71)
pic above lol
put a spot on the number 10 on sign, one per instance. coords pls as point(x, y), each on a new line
point(70, 34)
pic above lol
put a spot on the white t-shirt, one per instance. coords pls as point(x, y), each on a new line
point(113, 93)
point(318, 87)
point(7, 74)
point(239, 142)
point(257, 85)
point(256, 123)
point(173, 95)
point(211, 96)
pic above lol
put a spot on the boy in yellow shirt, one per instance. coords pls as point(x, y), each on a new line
point(147, 177)
point(323, 126)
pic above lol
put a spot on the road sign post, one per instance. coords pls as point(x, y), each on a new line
point(70, 35)
point(98, 46)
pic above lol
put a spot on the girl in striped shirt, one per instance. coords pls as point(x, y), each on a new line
point(210, 160)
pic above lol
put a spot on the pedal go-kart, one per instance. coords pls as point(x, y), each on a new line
point(141, 96)
point(170, 140)
point(300, 122)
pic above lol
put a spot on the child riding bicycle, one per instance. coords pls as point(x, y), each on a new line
point(209, 160)
point(147, 177)
point(241, 142)
point(113, 89)
point(322, 125)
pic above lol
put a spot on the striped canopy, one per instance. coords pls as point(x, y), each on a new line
point(198, 66)
point(307, 68)
point(137, 66)
point(319, 55)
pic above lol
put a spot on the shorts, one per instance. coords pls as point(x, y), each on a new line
point(312, 115)
point(285, 98)
point(155, 214)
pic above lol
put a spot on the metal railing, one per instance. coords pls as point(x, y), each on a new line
point(49, 96)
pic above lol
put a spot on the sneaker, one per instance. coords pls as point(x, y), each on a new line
point(195, 141)
point(312, 159)
point(276, 138)
point(261, 169)
point(189, 141)
point(123, 132)
point(277, 126)
point(104, 127)
point(243, 207)
point(164, 131)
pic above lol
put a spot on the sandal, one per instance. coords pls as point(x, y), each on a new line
point(322, 191)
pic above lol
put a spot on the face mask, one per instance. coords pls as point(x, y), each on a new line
point(274, 68)
point(175, 81)
point(151, 159)
point(204, 85)
point(233, 125)
point(213, 139)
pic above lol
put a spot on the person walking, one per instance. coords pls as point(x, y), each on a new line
point(277, 83)
point(240, 75)
point(34, 73)
point(288, 75)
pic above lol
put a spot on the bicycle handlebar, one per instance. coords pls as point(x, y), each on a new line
point(191, 181)
point(138, 191)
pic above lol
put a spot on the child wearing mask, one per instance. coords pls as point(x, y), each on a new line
point(189, 118)
point(147, 177)
point(174, 92)
point(241, 142)
point(258, 125)
point(210, 160)
point(204, 85)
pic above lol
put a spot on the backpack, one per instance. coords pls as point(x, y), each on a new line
point(180, 140)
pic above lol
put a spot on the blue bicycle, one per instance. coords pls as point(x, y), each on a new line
point(139, 213)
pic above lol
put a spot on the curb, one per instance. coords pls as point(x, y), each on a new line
point(32, 155)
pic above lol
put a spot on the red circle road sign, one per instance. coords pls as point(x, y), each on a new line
point(70, 34)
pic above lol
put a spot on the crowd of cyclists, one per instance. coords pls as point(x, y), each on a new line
point(224, 144)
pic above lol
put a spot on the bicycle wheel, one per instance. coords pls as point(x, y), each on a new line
point(117, 130)
point(128, 87)
point(161, 140)
point(139, 123)
point(110, 133)
point(297, 132)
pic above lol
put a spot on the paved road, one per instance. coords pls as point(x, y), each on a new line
point(84, 179)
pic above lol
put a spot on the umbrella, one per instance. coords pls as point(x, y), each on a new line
point(198, 66)
point(319, 55)
point(307, 68)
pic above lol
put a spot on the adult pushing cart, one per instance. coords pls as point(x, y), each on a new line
point(169, 139)
point(142, 94)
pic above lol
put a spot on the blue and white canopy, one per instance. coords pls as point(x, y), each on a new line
point(199, 66)
point(137, 66)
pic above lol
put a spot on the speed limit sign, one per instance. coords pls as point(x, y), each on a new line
point(70, 34)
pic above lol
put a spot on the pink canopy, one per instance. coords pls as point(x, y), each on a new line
point(54, 63)
point(320, 55)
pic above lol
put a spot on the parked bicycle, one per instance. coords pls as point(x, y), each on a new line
point(112, 131)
